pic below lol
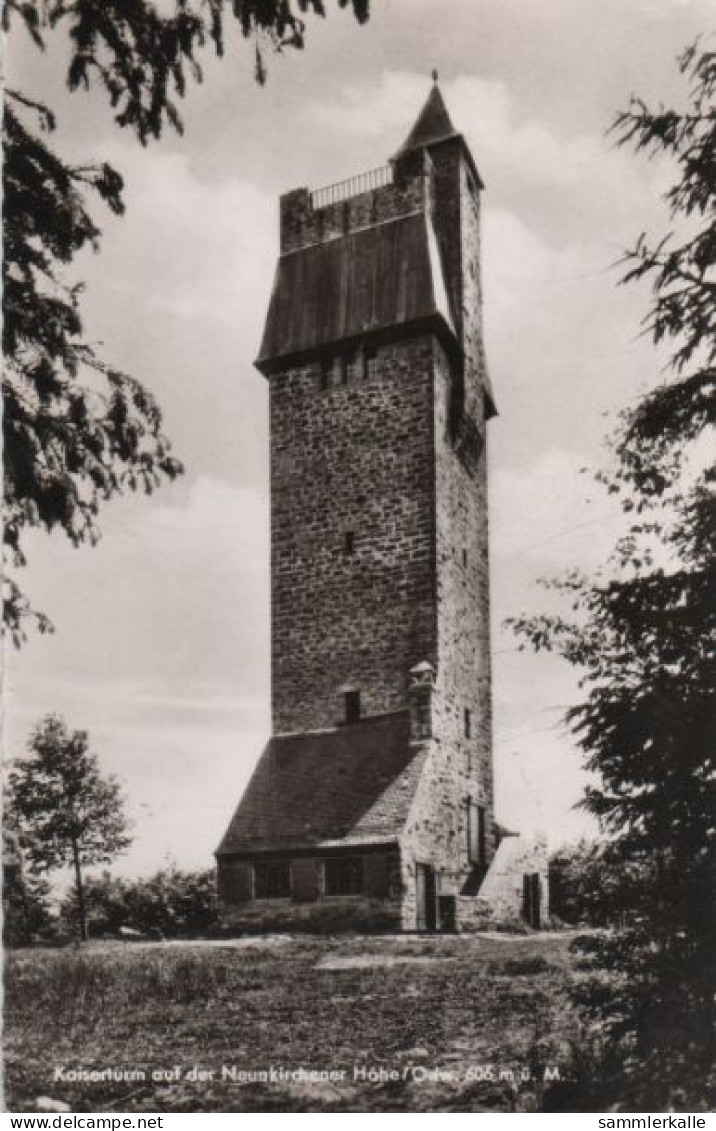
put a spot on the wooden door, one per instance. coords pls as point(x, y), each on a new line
point(532, 900)
point(536, 902)
point(426, 898)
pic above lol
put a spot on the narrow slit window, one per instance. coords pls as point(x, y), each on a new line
point(369, 355)
point(464, 558)
point(476, 833)
point(325, 373)
point(468, 723)
point(349, 542)
point(351, 701)
point(346, 363)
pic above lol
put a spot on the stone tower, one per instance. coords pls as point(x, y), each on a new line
point(372, 804)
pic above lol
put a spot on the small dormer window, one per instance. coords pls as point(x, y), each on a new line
point(351, 700)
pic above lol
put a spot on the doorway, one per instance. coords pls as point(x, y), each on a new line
point(426, 898)
point(532, 900)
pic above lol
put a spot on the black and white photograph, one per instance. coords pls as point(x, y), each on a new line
point(359, 591)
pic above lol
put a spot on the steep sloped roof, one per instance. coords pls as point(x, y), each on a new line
point(353, 785)
point(433, 124)
point(376, 278)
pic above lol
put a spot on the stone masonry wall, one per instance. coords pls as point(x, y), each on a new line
point(464, 675)
point(460, 768)
point(457, 221)
point(471, 299)
point(351, 460)
point(328, 916)
point(446, 218)
point(500, 901)
point(435, 833)
point(303, 225)
point(464, 670)
point(379, 909)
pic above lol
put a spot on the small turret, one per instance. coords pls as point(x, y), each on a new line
point(422, 686)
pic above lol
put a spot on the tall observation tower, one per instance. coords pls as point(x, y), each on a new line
point(372, 804)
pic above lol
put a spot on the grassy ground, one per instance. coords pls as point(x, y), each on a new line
point(459, 1030)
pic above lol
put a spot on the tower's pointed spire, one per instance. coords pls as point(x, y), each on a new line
point(433, 122)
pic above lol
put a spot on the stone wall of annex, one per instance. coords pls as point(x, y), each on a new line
point(336, 915)
point(378, 909)
point(500, 902)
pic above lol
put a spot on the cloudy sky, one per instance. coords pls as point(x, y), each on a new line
point(162, 642)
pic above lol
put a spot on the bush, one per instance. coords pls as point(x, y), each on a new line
point(594, 886)
point(26, 909)
point(649, 993)
point(171, 904)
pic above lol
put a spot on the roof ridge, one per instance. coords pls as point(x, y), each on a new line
point(340, 727)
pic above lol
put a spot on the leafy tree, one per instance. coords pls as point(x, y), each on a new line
point(591, 885)
point(77, 431)
point(70, 814)
point(642, 636)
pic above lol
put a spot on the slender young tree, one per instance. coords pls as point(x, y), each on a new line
point(72, 816)
point(643, 634)
point(78, 431)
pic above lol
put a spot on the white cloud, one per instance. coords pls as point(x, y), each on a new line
point(513, 151)
point(163, 630)
point(551, 515)
point(162, 654)
point(173, 602)
point(528, 283)
point(192, 249)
